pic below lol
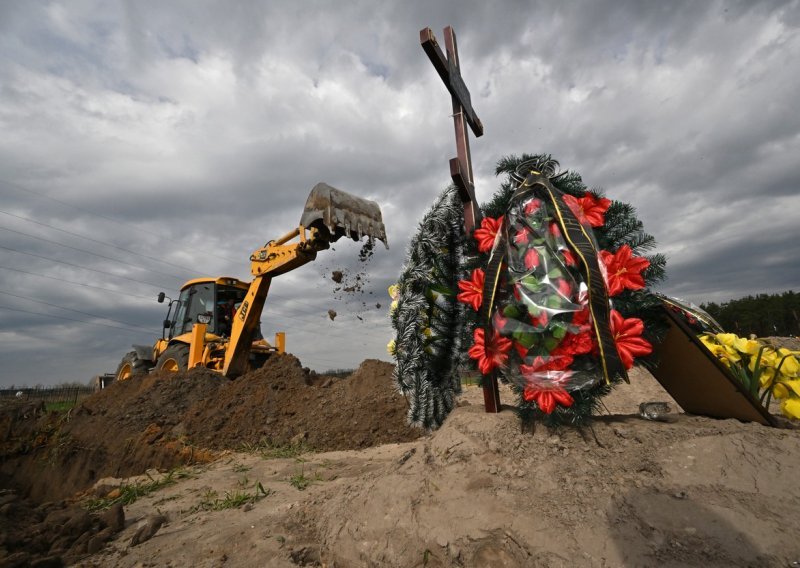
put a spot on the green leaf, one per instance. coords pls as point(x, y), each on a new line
point(551, 343)
point(526, 339)
point(441, 289)
point(530, 282)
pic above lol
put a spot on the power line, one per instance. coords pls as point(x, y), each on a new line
point(134, 227)
point(69, 319)
point(77, 283)
point(91, 253)
point(298, 328)
point(191, 271)
point(53, 227)
point(130, 325)
point(270, 316)
point(158, 286)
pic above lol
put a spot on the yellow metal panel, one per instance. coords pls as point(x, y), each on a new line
point(220, 280)
point(197, 344)
point(280, 341)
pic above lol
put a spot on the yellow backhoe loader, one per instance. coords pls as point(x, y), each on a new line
point(214, 322)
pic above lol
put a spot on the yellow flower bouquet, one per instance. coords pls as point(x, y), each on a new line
point(765, 370)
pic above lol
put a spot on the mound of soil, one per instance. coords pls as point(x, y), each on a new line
point(166, 421)
point(283, 403)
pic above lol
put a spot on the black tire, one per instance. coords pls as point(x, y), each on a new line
point(175, 358)
point(131, 366)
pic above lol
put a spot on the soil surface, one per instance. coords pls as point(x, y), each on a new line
point(684, 491)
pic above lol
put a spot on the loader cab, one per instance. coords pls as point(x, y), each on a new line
point(214, 300)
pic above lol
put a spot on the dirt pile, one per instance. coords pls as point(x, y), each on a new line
point(284, 403)
point(165, 421)
point(689, 491)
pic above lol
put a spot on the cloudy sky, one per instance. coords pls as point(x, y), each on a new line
point(146, 143)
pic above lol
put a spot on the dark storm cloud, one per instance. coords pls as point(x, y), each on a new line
point(192, 131)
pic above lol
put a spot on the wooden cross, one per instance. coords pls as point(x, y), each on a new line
point(461, 166)
point(463, 113)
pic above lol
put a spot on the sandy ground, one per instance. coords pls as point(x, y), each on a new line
point(687, 491)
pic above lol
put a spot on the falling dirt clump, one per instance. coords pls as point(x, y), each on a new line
point(332, 314)
point(337, 276)
point(367, 250)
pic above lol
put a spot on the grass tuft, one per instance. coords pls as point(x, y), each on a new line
point(232, 499)
point(129, 493)
point(301, 481)
point(270, 450)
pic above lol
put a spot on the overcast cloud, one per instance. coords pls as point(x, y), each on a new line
point(145, 143)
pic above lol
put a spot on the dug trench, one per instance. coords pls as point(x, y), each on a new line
point(167, 421)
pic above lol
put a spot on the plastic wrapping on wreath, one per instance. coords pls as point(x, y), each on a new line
point(694, 316)
point(542, 304)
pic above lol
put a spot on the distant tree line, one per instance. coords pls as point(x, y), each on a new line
point(763, 315)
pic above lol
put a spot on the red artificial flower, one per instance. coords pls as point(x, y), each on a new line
point(547, 398)
point(628, 337)
point(564, 288)
point(472, 289)
point(522, 351)
point(589, 209)
point(540, 320)
point(491, 355)
point(624, 270)
point(532, 206)
point(575, 344)
point(582, 319)
point(554, 229)
point(553, 362)
point(569, 257)
point(531, 259)
point(522, 236)
point(487, 233)
point(499, 321)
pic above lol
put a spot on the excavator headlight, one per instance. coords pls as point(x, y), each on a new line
point(204, 318)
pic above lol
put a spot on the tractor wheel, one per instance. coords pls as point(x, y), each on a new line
point(131, 366)
point(174, 358)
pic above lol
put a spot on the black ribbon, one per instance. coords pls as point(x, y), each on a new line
point(583, 245)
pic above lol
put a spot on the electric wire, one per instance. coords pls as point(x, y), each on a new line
point(269, 317)
point(125, 323)
point(53, 227)
point(157, 286)
point(92, 253)
point(295, 317)
point(70, 319)
point(277, 296)
point(62, 280)
point(100, 215)
point(191, 271)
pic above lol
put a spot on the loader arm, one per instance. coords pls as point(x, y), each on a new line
point(275, 258)
point(329, 214)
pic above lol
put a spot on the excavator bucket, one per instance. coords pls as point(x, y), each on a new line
point(343, 214)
